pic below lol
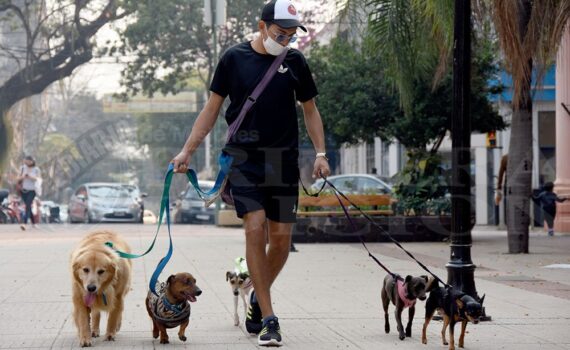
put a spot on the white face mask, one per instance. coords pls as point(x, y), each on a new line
point(271, 46)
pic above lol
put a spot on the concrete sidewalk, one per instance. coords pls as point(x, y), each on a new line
point(328, 296)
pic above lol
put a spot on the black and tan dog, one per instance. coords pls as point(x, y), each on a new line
point(171, 308)
point(455, 306)
point(403, 293)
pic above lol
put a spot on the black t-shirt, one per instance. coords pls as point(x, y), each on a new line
point(270, 128)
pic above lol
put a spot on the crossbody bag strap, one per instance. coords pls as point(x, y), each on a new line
point(255, 94)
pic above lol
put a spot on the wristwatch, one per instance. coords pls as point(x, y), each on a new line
point(323, 154)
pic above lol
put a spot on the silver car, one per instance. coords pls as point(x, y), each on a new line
point(104, 202)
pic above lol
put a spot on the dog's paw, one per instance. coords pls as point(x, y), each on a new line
point(408, 333)
point(402, 336)
point(182, 337)
point(84, 343)
point(236, 321)
point(387, 329)
point(164, 341)
point(445, 342)
point(155, 334)
point(110, 337)
point(424, 340)
point(95, 333)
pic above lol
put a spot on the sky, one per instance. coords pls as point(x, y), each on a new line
point(102, 74)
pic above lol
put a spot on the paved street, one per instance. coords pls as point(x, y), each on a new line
point(328, 296)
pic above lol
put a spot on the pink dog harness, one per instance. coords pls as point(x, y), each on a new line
point(402, 293)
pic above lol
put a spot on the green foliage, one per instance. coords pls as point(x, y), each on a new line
point(53, 145)
point(162, 134)
point(422, 186)
point(171, 43)
point(357, 103)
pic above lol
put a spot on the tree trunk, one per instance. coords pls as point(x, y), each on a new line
point(519, 175)
point(519, 166)
point(5, 137)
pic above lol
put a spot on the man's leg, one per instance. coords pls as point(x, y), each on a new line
point(257, 259)
point(279, 246)
point(264, 266)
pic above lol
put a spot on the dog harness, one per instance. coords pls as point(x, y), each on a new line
point(166, 313)
point(402, 293)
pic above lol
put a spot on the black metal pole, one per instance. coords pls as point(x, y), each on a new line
point(460, 268)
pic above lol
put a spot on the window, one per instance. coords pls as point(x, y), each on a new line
point(369, 186)
point(81, 191)
point(109, 192)
point(345, 184)
point(385, 158)
point(370, 164)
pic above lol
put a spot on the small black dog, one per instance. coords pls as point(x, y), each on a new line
point(456, 306)
point(402, 293)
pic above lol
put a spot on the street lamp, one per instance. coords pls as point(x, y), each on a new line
point(460, 268)
point(214, 17)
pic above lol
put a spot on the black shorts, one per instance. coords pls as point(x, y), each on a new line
point(258, 185)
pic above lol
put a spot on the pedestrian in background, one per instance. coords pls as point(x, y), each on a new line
point(29, 177)
point(547, 199)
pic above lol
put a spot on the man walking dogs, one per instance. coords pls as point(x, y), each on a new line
point(265, 171)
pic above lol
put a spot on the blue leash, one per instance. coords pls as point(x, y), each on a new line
point(225, 161)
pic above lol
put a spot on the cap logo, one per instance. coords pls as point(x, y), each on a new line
point(292, 10)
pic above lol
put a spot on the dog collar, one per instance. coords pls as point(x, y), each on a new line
point(176, 308)
point(403, 295)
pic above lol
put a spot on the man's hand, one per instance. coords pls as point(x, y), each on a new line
point(321, 167)
point(181, 162)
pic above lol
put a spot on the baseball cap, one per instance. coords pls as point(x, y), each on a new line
point(283, 13)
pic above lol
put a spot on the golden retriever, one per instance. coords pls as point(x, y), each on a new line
point(101, 279)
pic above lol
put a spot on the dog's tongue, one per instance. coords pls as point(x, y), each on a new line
point(89, 299)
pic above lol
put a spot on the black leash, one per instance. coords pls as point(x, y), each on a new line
point(337, 192)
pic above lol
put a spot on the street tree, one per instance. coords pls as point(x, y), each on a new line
point(529, 33)
point(54, 38)
point(169, 43)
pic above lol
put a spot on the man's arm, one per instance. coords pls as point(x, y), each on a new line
point(314, 125)
point(202, 126)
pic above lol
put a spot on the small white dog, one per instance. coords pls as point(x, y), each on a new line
point(241, 285)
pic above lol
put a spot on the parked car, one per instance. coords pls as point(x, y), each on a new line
point(104, 202)
point(137, 196)
point(356, 184)
point(190, 208)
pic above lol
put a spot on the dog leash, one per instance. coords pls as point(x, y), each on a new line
point(164, 209)
point(337, 192)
